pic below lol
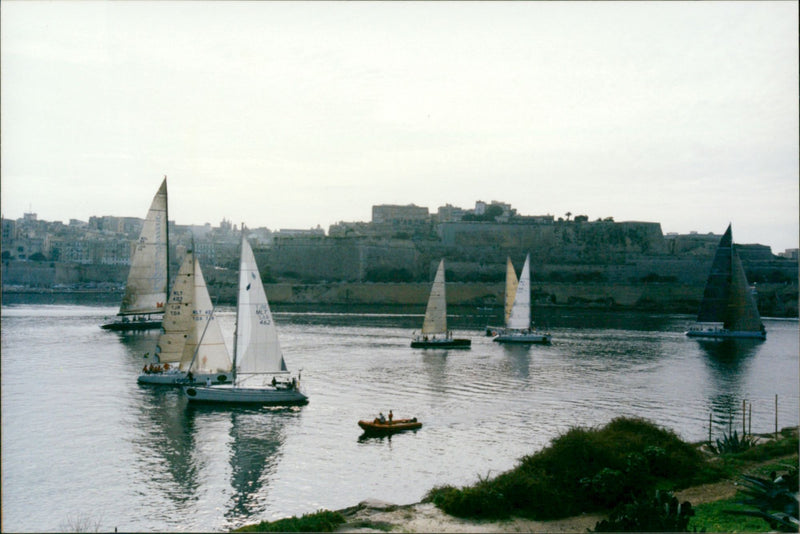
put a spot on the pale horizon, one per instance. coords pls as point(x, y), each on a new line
point(298, 114)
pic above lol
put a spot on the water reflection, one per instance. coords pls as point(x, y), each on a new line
point(378, 438)
point(137, 344)
point(435, 365)
point(257, 437)
point(519, 358)
point(167, 445)
point(727, 361)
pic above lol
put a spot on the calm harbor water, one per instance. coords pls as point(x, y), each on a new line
point(80, 439)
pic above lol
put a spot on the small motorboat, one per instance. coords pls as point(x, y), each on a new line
point(376, 427)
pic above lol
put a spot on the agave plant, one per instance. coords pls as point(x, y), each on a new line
point(661, 513)
point(775, 500)
point(733, 443)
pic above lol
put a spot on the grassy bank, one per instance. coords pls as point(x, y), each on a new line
point(626, 470)
point(620, 465)
point(582, 471)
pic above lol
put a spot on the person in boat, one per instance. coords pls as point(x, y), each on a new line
point(381, 418)
point(208, 381)
point(145, 370)
point(190, 376)
point(391, 416)
point(294, 383)
point(274, 382)
point(166, 366)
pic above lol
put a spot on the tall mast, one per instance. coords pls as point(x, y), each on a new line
point(238, 292)
point(166, 213)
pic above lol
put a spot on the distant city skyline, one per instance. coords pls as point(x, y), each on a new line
point(220, 224)
point(298, 114)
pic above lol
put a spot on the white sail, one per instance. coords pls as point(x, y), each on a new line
point(178, 314)
point(520, 317)
point(257, 348)
point(511, 288)
point(204, 343)
point(146, 288)
point(436, 313)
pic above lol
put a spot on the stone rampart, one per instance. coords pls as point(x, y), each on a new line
point(48, 274)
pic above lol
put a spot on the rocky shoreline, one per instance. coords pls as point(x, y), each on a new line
point(775, 300)
point(373, 515)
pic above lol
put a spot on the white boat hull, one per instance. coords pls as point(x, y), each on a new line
point(179, 378)
point(239, 395)
point(726, 334)
point(522, 337)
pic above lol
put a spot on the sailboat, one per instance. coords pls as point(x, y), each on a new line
point(191, 348)
point(148, 278)
point(728, 309)
point(511, 292)
point(518, 322)
point(434, 327)
point(256, 353)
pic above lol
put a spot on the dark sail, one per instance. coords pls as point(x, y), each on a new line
point(727, 298)
point(714, 308)
point(742, 310)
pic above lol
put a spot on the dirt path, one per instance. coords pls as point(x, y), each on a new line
point(425, 517)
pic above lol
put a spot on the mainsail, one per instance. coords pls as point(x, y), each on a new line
point(511, 288)
point(178, 314)
point(743, 313)
point(146, 288)
point(520, 316)
point(257, 350)
point(205, 350)
point(727, 298)
point(436, 313)
point(189, 322)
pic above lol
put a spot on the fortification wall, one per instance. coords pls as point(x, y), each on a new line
point(47, 274)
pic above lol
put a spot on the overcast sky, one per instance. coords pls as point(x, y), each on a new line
point(293, 114)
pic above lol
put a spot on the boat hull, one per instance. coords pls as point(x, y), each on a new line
point(179, 378)
point(120, 326)
point(520, 337)
point(442, 344)
point(381, 429)
point(265, 396)
point(726, 334)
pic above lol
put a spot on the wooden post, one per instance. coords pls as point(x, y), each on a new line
point(744, 417)
point(776, 416)
point(709, 429)
point(750, 420)
point(730, 421)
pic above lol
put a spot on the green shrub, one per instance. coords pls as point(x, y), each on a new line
point(484, 499)
point(582, 470)
point(770, 449)
point(533, 494)
point(321, 521)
